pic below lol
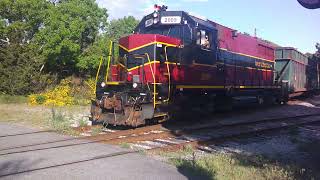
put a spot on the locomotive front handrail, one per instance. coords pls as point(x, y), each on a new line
point(97, 75)
point(154, 81)
point(109, 60)
point(169, 74)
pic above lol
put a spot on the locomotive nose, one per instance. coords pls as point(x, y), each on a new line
point(135, 42)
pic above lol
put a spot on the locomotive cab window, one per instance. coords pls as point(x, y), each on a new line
point(204, 39)
point(164, 52)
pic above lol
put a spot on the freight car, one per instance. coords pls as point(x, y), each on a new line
point(291, 66)
point(175, 61)
point(300, 71)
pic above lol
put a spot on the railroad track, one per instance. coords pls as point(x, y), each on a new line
point(217, 133)
point(155, 137)
point(85, 140)
point(166, 140)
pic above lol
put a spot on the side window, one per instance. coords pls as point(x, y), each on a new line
point(173, 54)
point(174, 32)
point(187, 35)
point(204, 39)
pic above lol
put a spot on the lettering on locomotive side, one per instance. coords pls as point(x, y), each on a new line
point(263, 65)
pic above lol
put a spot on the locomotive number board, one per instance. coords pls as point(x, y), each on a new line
point(170, 19)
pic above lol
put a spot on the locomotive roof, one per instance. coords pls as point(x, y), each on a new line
point(201, 21)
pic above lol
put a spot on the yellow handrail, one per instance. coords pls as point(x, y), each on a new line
point(154, 81)
point(168, 69)
point(109, 59)
point(97, 75)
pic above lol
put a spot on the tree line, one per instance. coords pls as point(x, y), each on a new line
point(42, 41)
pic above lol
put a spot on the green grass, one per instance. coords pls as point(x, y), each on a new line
point(82, 123)
point(125, 145)
point(41, 116)
point(7, 99)
point(231, 166)
point(96, 130)
point(60, 123)
point(36, 116)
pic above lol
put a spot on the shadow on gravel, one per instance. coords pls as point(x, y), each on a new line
point(10, 168)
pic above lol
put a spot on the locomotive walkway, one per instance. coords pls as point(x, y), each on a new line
point(88, 161)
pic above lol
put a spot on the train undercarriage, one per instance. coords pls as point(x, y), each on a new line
point(137, 108)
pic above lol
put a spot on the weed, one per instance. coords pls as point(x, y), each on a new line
point(60, 123)
point(96, 130)
point(142, 152)
point(82, 122)
point(188, 149)
point(125, 145)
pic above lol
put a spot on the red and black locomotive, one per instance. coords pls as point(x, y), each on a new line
point(175, 61)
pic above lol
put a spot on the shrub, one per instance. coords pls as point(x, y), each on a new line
point(58, 96)
point(70, 91)
point(40, 99)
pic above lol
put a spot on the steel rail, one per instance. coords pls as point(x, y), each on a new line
point(231, 136)
point(177, 146)
point(26, 133)
point(115, 138)
point(95, 139)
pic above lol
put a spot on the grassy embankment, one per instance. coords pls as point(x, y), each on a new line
point(15, 109)
point(232, 166)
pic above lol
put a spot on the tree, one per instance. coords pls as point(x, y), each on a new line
point(70, 27)
point(20, 20)
point(61, 37)
point(20, 62)
point(121, 27)
point(89, 59)
point(20, 70)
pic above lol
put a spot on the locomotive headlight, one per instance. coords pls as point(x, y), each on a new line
point(103, 84)
point(135, 85)
point(155, 21)
point(155, 14)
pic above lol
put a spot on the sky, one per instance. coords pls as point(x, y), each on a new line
point(284, 22)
